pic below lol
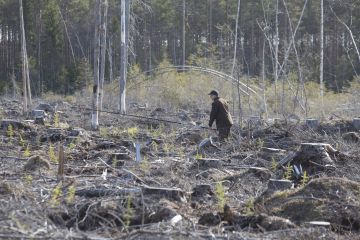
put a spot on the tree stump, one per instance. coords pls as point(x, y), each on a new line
point(351, 137)
point(4, 124)
point(314, 157)
point(45, 107)
point(312, 123)
point(209, 163)
point(38, 114)
point(356, 123)
point(168, 193)
point(202, 191)
point(39, 121)
point(255, 121)
point(277, 121)
point(117, 160)
point(120, 156)
point(278, 185)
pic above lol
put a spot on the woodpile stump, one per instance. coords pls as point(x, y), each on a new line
point(315, 157)
point(209, 163)
point(4, 124)
point(175, 194)
point(312, 123)
point(202, 191)
point(38, 114)
point(255, 121)
point(356, 123)
point(45, 107)
point(278, 185)
point(39, 121)
point(351, 137)
point(117, 160)
point(277, 121)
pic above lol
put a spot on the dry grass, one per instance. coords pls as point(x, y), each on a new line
point(188, 90)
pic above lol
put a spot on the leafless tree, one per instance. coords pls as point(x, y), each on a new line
point(183, 32)
point(103, 40)
point(96, 83)
point(25, 64)
point(350, 33)
point(322, 55)
point(276, 74)
point(234, 58)
point(125, 14)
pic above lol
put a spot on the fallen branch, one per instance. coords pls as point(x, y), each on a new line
point(140, 180)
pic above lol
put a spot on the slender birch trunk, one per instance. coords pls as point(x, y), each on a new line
point(95, 99)
point(234, 61)
point(322, 57)
point(264, 80)
point(110, 57)
point(28, 77)
point(125, 12)
point(23, 57)
point(183, 32)
point(103, 41)
point(276, 54)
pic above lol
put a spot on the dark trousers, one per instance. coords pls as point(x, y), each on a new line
point(224, 133)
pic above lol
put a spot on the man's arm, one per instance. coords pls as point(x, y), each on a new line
point(214, 112)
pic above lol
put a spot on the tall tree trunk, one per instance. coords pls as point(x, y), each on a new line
point(125, 13)
point(28, 77)
point(234, 60)
point(103, 51)
point(264, 79)
point(12, 77)
point(23, 58)
point(110, 56)
point(210, 20)
point(183, 32)
point(276, 54)
point(322, 57)
point(95, 99)
point(39, 53)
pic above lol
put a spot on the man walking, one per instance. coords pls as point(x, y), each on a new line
point(221, 115)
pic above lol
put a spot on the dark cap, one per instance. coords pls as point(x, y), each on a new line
point(214, 92)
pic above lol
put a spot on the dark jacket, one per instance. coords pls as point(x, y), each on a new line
point(220, 113)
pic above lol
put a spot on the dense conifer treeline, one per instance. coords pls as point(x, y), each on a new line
point(60, 39)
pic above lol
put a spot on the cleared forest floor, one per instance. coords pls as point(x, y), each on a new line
point(236, 190)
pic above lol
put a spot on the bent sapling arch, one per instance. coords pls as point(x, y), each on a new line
point(204, 70)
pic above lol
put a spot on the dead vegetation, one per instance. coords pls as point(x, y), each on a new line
point(272, 181)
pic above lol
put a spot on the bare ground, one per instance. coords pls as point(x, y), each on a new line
point(176, 191)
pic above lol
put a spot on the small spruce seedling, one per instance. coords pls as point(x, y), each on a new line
point(129, 212)
point(56, 120)
point(71, 194)
point(27, 151)
point(28, 179)
point(22, 141)
point(132, 132)
point(220, 195)
point(52, 155)
point(198, 155)
point(288, 172)
point(249, 207)
point(305, 179)
point(55, 195)
point(10, 132)
point(273, 164)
